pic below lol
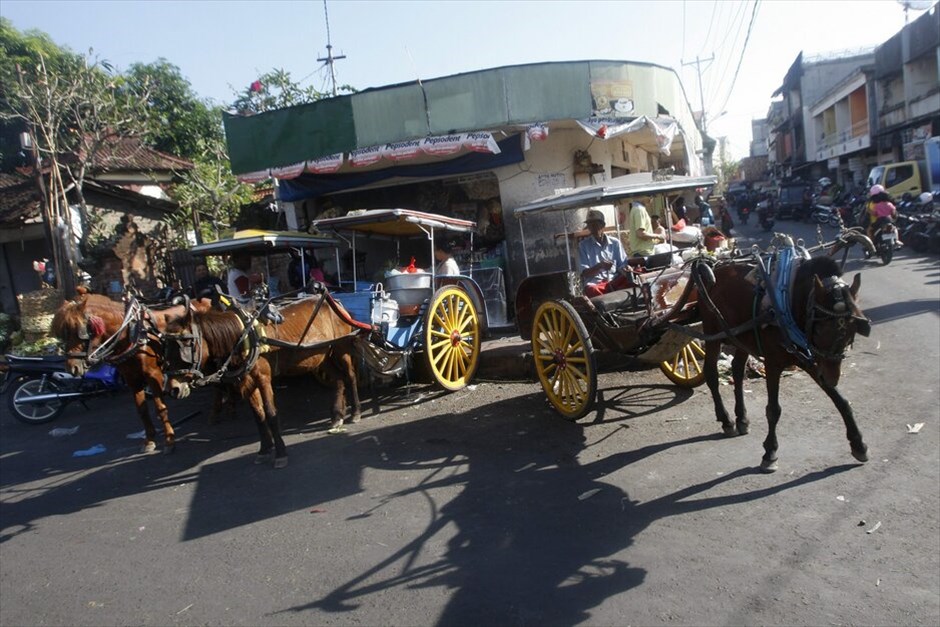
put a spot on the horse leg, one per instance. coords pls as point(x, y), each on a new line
point(253, 396)
point(738, 365)
point(772, 371)
point(150, 439)
point(349, 372)
point(169, 436)
point(859, 449)
point(712, 350)
point(274, 424)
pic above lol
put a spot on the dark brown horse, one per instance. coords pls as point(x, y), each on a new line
point(93, 322)
point(310, 337)
point(824, 308)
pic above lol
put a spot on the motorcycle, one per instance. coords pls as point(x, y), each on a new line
point(885, 240)
point(825, 215)
point(765, 215)
point(38, 389)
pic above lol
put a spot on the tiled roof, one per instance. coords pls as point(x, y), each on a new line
point(19, 198)
point(129, 153)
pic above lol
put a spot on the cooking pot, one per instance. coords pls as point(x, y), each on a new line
point(408, 280)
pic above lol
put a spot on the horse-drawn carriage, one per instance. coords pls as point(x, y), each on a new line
point(566, 328)
point(781, 305)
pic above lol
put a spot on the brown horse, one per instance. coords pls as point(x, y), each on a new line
point(93, 322)
point(311, 336)
point(824, 309)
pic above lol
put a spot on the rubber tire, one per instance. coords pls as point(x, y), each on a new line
point(887, 254)
point(29, 386)
point(559, 340)
point(677, 368)
point(452, 338)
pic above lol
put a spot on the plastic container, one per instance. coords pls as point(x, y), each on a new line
point(384, 309)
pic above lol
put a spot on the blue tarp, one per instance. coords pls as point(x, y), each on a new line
point(313, 185)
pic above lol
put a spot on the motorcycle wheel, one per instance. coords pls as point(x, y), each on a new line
point(38, 413)
point(886, 252)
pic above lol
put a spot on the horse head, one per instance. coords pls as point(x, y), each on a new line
point(183, 354)
point(832, 319)
point(80, 333)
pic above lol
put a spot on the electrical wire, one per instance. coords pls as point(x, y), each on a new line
point(711, 22)
point(747, 38)
point(736, 24)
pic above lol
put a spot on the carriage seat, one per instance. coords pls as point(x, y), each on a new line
point(621, 300)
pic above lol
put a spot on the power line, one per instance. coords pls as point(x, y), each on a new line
point(738, 18)
point(683, 29)
point(711, 21)
point(741, 58)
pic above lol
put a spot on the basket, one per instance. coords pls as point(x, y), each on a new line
point(37, 309)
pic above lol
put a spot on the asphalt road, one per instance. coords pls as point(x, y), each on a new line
point(483, 507)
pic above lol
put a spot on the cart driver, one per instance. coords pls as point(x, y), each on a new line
point(240, 278)
point(602, 259)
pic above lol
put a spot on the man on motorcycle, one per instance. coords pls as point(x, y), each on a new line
point(880, 209)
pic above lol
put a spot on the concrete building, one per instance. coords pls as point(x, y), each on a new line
point(852, 113)
point(473, 146)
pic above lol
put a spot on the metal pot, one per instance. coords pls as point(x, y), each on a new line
point(407, 280)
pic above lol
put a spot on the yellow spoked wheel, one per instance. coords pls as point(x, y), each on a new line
point(452, 338)
point(687, 368)
point(564, 359)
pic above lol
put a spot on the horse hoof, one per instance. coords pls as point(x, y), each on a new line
point(729, 430)
point(263, 458)
point(768, 466)
point(743, 428)
point(280, 462)
point(861, 454)
point(169, 448)
point(355, 418)
point(149, 447)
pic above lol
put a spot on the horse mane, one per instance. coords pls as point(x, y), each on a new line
point(70, 316)
point(822, 267)
point(220, 330)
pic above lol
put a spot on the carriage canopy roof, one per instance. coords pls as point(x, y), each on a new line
point(629, 186)
point(255, 241)
point(394, 223)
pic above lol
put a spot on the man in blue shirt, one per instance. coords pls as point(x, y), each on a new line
point(602, 259)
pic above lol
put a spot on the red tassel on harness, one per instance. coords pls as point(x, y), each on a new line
point(95, 326)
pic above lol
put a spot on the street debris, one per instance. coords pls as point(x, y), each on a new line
point(185, 608)
point(317, 510)
point(862, 523)
point(914, 428)
point(58, 432)
point(139, 435)
point(526, 467)
point(840, 498)
point(336, 430)
point(588, 494)
point(875, 528)
point(97, 449)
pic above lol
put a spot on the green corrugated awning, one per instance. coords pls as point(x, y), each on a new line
point(492, 99)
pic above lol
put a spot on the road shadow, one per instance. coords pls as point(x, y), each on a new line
point(903, 309)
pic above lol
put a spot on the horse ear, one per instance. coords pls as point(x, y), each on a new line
point(819, 289)
point(856, 283)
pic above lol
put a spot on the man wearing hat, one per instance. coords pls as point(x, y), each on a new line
point(602, 258)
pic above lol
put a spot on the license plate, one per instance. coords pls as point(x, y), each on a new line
point(890, 236)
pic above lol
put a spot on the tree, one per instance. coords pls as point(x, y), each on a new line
point(276, 90)
point(210, 190)
point(71, 105)
point(183, 121)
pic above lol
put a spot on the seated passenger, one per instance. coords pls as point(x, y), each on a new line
point(602, 260)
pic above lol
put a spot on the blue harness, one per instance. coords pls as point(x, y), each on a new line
point(778, 290)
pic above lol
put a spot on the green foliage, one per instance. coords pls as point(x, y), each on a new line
point(181, 119)
point(42, 346)
point(277, 90)
point(210, 189)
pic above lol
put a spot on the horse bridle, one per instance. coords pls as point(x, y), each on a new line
point(843, 311)
point(139, 323)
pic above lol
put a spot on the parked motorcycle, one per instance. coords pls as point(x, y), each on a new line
point(823, 214)
point(38, 389)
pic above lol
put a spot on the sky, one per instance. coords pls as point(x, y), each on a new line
point(221, 47)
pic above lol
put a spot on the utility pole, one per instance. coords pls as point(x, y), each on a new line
point(330, 59)
point(698, 68)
